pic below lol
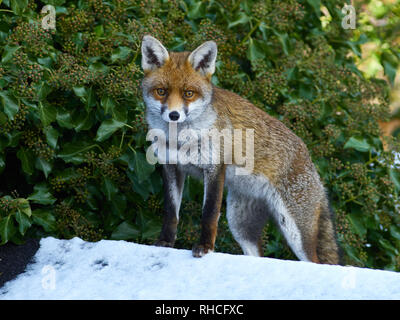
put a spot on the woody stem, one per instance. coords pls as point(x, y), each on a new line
point(251, 32)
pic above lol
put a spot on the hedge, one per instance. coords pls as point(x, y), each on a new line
point(72, 129)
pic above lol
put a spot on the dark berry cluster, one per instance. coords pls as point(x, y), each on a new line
point(18, 122)
point(75, 185)
point(35, 141)
point(122, 81)
point(76, 21)
point(71, 223)
point(70, 73)
point(139, 123)
point(32, 37)
point(8, 205)
point(103, 164)
point(281, 15)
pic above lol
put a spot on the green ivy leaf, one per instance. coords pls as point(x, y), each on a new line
point(284, 40)
point(51, 136)
point(138, 164)
point(3, 118)
point(90, 99)
point(99, 30)
point(83, 120)
point(27, 160)
point(119, 204)
point(18, 6)
point(74, 152)
point(80, 91)
point(390, 71)
point(64, 119)
point(55, 2)
point(108, 104)
point(151, 229)
point(8, 53)
point(125, 231)
point(388, 246)
point(316, 5)
point(394, 175)
point(107, 128)
point(23, 222)
point(43, 90)
point(197, 10)
point(10, 104)
point(47, 113)
point(120, 113)
point(242, 18)
point(45, 219)
point(255, 51)
point(99, 67)
point(152, 185)
point(395, 232)
point(355, 47)
point(7, 229)
point(109, 189)
point(42, 195)
point(24, 206)
point(143, 189)
point(357, 223)
point(120, 53)
point(358, 143)
point(44, 166)
point(46, 62)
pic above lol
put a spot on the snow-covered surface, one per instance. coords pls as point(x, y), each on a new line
point(75, 269)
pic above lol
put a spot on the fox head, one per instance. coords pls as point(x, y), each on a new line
point(177, 85)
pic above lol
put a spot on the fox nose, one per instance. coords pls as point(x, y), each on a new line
point(174, 115)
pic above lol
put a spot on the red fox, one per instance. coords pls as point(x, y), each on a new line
point(283, 185)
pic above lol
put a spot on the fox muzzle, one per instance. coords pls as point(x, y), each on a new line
point(175, 115)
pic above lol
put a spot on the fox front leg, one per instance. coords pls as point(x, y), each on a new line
point(213, 192)
point(173, 181)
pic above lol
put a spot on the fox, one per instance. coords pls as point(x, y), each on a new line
point(283, 185)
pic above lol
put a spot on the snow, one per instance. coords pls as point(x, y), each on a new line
point(75, 269)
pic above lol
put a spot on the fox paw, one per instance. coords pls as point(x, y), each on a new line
point(162, 243)
point(200, 250)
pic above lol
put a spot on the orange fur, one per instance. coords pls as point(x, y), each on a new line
point(279, 156)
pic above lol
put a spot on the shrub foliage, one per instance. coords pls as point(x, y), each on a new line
point(72, 130)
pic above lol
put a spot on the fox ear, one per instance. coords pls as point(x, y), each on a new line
point(154, 53)
point(203, 58)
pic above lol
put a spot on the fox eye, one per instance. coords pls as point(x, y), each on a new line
point(188, 93)
point(161, 92)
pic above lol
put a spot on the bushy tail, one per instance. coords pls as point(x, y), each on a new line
point(328, 250)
